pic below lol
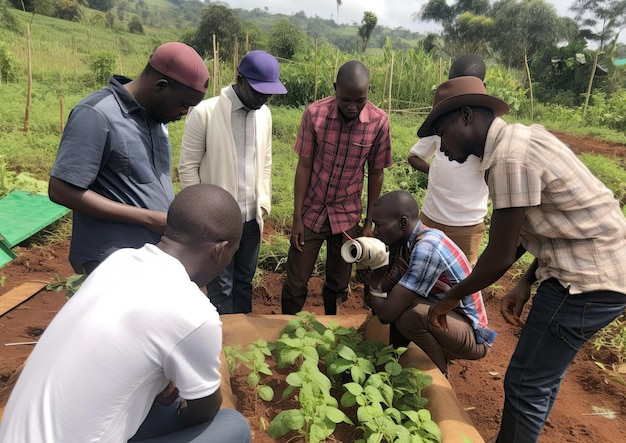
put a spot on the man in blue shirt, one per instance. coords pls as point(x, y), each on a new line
point(113, 164)
point(423, 265)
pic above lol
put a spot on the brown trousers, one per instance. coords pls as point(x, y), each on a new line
point(468, 238)
point(458, 342)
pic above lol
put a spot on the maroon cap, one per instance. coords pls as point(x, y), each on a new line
point(182, 63)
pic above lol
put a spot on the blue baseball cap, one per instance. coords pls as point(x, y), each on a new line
point(261, 70)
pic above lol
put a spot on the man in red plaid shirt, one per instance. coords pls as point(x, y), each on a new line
point(338, 136)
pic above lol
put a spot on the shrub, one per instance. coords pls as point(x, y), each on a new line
point(102, 65)
point(8, 65)
point(135, 26)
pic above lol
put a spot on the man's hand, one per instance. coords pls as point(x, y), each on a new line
point(297, 234)
point(367, 230)
point(437, 313)
point(168, 395)
point(513, 302)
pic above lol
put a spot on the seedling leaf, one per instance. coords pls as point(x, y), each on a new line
point(266, 393)
point(284, 422)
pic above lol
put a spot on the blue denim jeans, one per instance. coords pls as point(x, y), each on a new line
point(231, 291)
point(162, 425)
point(558, 325)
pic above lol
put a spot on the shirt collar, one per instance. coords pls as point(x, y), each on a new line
point(125, 99)
point(363, 117)
point(490, 143)
point(236, 103)
point(418, 228)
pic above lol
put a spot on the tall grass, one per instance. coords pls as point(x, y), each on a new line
point(61, 52)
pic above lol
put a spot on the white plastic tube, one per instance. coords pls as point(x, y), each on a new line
point(351, 251)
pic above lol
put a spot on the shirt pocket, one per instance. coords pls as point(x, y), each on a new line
point(140, 169)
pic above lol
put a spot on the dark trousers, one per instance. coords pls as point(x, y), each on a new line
point(163, 425)
point(558, 325)
point(231, 291)
point(300, 266)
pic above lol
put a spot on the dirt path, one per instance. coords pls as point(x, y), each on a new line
point(478, 385)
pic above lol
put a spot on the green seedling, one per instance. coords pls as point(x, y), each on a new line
point(254, 359)
point(349, 362)
point(366, 374)
point(71, 284)
point(319, 415)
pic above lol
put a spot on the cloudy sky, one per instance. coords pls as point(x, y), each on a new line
point(391, 13)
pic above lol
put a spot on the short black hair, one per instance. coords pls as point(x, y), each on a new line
point(471, 65)
point(353, 70)
point(399, 203)
point(202, 214)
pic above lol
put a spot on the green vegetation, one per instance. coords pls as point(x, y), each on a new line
point(326, 360)
point(613, 338)
point(70, 59)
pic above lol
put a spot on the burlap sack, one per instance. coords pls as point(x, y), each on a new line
point(446, 411)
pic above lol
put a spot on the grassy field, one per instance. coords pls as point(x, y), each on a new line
point(61, 55)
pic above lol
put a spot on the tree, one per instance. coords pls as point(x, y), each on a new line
point(221, 21)
point(69, 10)
point(600, 20)
point(338, 4)
point(102, 5)
point(563, 72)
point(466, 28)
point(122, 9)
point(285, 39)
point(135, 26)
point(439, 11)
point(369, 22)
point(257, 38)
point(523, 28)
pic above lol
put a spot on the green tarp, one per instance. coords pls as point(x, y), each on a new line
point(23, 214)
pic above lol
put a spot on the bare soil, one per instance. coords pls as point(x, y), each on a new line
point(478, 384)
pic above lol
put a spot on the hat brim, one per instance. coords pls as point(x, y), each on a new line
point(496, 105)
point(269, 88)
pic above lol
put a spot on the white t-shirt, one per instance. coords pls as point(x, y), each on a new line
point(457, 194)
point(136, 323)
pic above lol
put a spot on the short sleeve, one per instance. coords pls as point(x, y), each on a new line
point(425, 267)
point(305, 141)
point(514, 185)
point(85, 137)
point(381, 157)
point(193, 365)
point(426, 147)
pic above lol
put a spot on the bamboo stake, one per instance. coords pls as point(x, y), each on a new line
point(235, 57)
point(29, 88)
point(315, 75)
point(215, 66)
point(530, 86)
point(391, 80)
point(593, 72)
point(61, 111)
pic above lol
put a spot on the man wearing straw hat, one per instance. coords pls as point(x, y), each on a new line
point(546, 202)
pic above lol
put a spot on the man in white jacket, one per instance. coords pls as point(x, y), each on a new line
point(228, 142)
